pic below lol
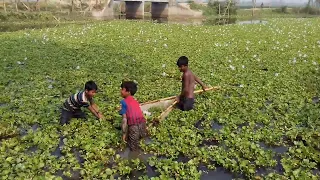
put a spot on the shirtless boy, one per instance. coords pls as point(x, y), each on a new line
point(186, 98)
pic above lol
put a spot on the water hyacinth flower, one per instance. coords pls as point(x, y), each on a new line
point(163, 65)
point(232, 67)
point(243, 67)
point(294, 60)
point(164, 74)
point(276, 74)
point(314, 63)
point(241, 85)
point(165, 45)
point(78, 67)
point(147, 113)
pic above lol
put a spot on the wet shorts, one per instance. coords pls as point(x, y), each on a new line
point(66, 116)
point(135, 134)
point(185, 104)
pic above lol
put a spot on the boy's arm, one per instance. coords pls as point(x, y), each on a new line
point(93, 108)
point(200, 82)
point(124, 127)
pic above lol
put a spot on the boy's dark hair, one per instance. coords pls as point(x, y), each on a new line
point(90, 85)
point(130, 86)
point(182, 61)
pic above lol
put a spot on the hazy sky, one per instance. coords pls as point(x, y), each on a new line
point(284, 1)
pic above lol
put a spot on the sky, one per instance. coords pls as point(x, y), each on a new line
point(284, 1)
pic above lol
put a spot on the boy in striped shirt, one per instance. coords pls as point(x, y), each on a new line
point(72, 106)
point(133, 121)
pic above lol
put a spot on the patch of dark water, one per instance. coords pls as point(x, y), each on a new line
point(316, 172)
point(209, 142)
point(75, 174)
point(35, 127)
point(268, 102)
point(148, 140)
point(240, 126)
point(59, 173)
point(149, 171)
point(259, 126)
point(216, 126)
point(315, 100)
point(218, 174)
point(252, 22)
point(198, 124)
point(276, 149)
point(23, 131)
point(78, 156)
point(31, 150)
point(2, 105)
point(277, 169)
point(57, 152)
point(182, 158)
point(127, 154)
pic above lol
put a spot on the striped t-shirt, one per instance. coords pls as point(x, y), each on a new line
point(76, 101)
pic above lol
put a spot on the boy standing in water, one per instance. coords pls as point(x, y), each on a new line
point(72, 106)
point(133, 121)
point(186, 98)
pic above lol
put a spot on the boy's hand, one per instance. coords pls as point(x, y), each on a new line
point(124, 138)
point(178, 99)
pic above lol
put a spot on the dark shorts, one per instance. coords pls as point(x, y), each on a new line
point(185, 104)
point(66, 116)
point(135, 134)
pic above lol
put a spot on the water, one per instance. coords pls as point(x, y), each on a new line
point(216, 126)
point(11, 27)
point(316, 172)
point(277, 169)
point(78, 156)
point(3, 105)
point(252, 22)
point(276, 149)
point(57, 152)
point(24, 131)
point(218, 174)
point(209, 142)
point(198, 124)
point(31, 150)
point(150, 171)
point(182, 158)
point(35, 127)
point(315, 99)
